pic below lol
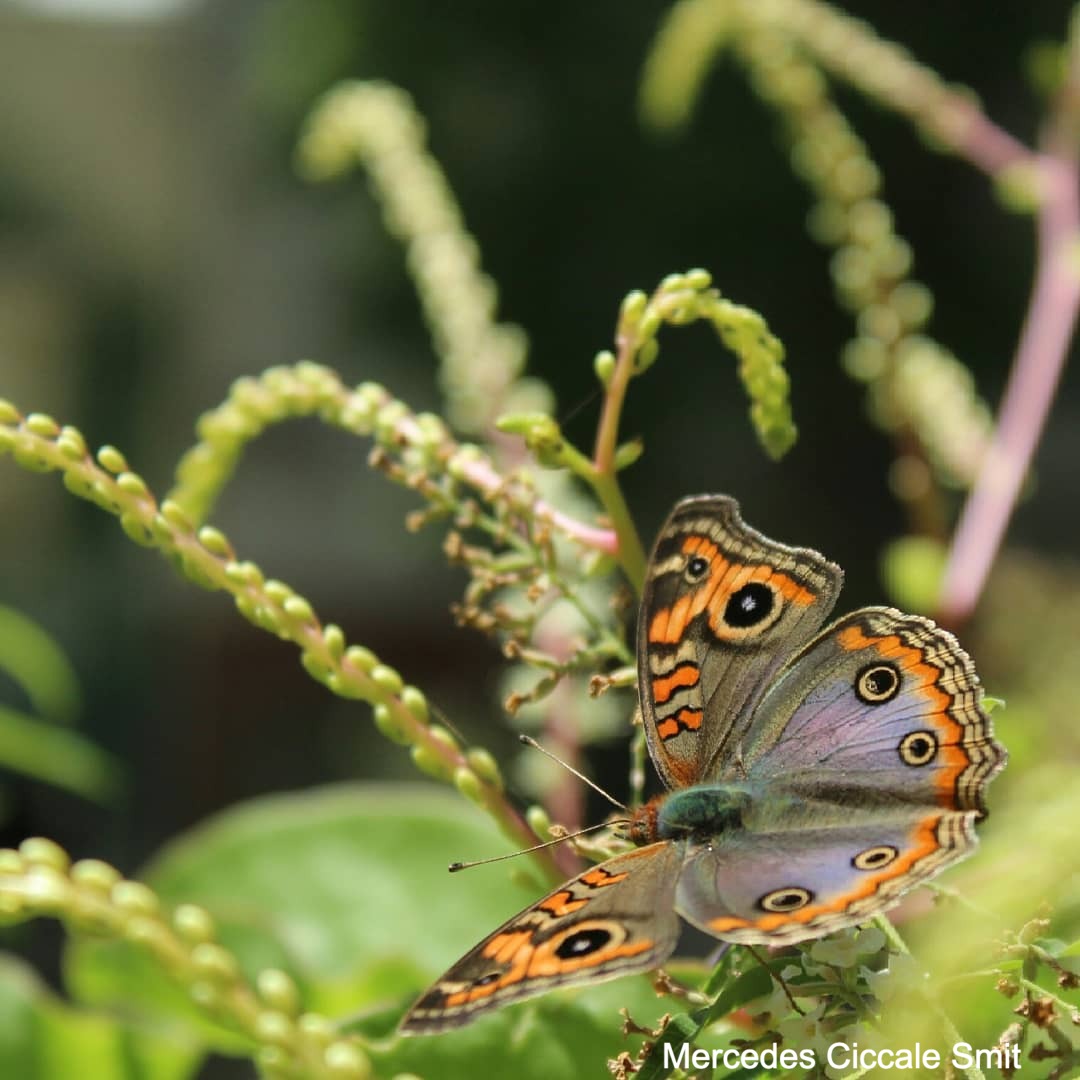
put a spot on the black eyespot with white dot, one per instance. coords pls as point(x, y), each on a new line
point(918, 748)
point(484, 980)
point(790, 898)
point(582, 943)
point(875, 858)
point(696, 568)
point(877, 683)
point(750, 605)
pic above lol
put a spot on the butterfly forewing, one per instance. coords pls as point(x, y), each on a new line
point(723, 608)
point(615, 918)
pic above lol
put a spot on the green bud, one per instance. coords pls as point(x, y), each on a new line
point(41, 425)
point(428, 761)
point(132, 484)
point(604, 366)
point(212, 961)
point(315, 665)
point(38, 851)
point(278, 990)
point(485, 766)
point(136, 528)
point(386, 679)
point(317, 1028)
point(176, 516)
point(46, 888)
point(251, 609)
point(631, 310)
point(273, 1027)
point(468, 783)
point(539, 821)
point(240, 573)
point(334, 640)
point(111, 460)
point(277, 591)
point(646, 356)
point(388, 724)
point(628, 453)
point(147, 933)
point(194, 924)
point(698, 279)
point(71, 444)
point(95, 874)
point(345, 1060)
point(649, 325)
point(134, 897)
point(442, 736)
point(296, 607)
point(215, 541)
point(360, 658)
point(11, 862)
point(414, 700)
point(8, 413)
point(27, 452)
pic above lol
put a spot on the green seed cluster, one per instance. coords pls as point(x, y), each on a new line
point(917, 389)
point(681, 299)
point(376, 126)
point(92, 897)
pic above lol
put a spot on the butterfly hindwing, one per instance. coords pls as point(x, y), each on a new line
point(862, 772)
point(798, 883)
point(880, 706)
point(615, 918)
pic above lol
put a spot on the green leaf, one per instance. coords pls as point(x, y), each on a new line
point(44, 1039)
point(33, 659)
point(344, 887)
point(57, 755)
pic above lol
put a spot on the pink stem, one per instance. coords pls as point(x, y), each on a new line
point(1040, 358)
point(985, 144)
point(483, 475)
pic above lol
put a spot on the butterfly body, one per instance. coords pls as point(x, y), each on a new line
point(814, 775)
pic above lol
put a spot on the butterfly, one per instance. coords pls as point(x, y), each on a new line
point(814, 776)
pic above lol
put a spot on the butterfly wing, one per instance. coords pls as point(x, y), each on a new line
point(613, 919)
point(879, 702)
point(723, 607)
point(792, 884)
point(866, 763)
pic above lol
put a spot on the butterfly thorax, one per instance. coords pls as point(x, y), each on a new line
point(706, 810)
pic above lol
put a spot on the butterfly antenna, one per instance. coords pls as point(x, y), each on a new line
point(582, 404)
point(528, 740)
point(456, 866)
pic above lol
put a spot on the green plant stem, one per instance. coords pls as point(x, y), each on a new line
point(630, 553)
point(972, 1072)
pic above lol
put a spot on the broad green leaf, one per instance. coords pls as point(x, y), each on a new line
point(56, 755)
point(344, 887)
point(42, 1038)
point(33, 659)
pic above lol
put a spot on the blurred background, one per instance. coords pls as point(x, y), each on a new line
point(156, 243)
